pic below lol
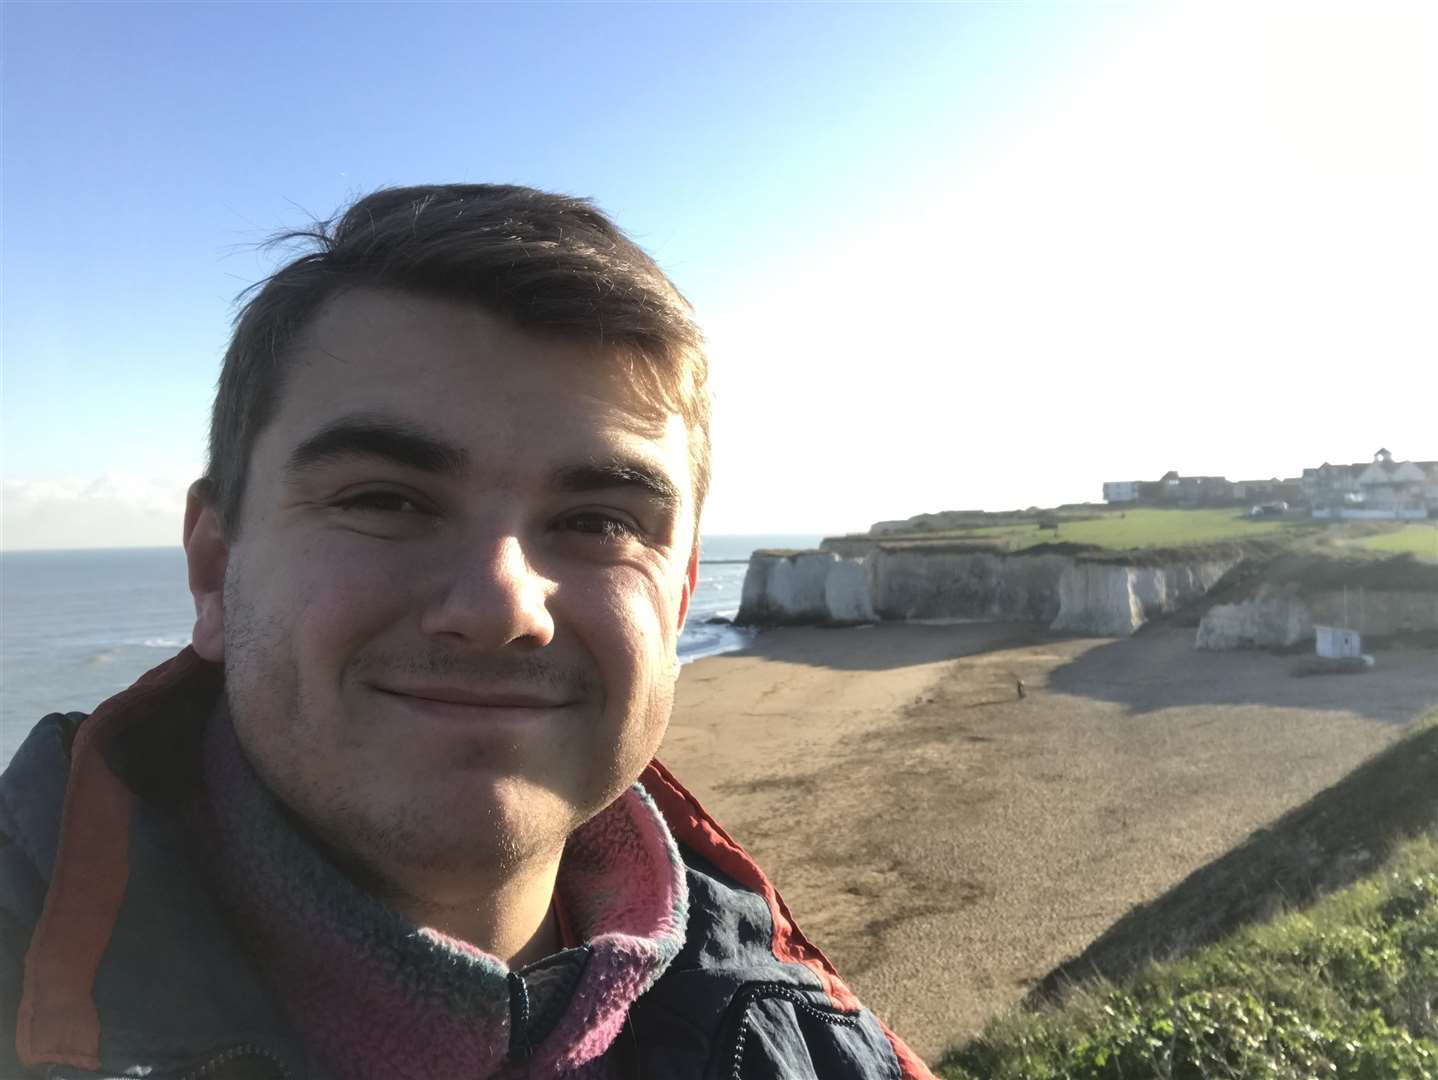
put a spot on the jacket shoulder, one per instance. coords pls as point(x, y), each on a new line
point(32, 796)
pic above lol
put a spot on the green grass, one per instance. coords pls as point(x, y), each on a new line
point(1136, 529)
point(1419, 539)
point(1344, 987)
point(1157, 528)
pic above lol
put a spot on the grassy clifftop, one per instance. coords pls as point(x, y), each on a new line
point(1145, 530)
point(1345, 984)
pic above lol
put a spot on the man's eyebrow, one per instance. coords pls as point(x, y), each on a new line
point(377, 437)
point(620, 473)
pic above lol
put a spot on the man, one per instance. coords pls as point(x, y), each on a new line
point(394, 813)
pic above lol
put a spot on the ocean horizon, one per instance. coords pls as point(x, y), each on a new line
point(79, 625)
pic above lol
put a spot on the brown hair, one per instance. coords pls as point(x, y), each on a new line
point(552, 264)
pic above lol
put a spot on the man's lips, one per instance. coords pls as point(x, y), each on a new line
point(477, 698)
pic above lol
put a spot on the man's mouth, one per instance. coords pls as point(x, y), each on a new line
point(477, 697)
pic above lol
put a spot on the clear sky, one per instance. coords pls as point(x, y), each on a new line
point(965, 255)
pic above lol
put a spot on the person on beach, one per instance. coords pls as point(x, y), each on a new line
point(395, 811)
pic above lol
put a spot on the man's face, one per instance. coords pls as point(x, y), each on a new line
point(450, 610)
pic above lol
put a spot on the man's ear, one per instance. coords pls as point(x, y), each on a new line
point(691, 582)
point(207, 552)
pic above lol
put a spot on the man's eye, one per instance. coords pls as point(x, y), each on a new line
point(605, 526)
point(385, 502)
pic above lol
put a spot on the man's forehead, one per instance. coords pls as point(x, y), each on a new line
point(372, 334)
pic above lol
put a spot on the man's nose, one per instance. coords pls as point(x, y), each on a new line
point(491, 598)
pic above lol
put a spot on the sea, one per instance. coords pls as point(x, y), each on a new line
point(78, 626)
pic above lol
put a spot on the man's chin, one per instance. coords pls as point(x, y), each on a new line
point(482, 822)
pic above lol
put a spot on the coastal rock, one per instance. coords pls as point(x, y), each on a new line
point(1278, 618)
point(904, 582)
point(1099, 598)
point(1113, 599)
point(1272, 619)
point(847, 593)
point(915, 584)
point(1164, 589)
point(804, 587)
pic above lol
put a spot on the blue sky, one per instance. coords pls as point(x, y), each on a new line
point(907, 228)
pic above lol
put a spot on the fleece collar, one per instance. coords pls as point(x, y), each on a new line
point(372, 994)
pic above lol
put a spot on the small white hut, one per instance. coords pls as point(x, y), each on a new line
point(1338, 643)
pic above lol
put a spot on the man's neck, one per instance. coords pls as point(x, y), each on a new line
point(510, 915)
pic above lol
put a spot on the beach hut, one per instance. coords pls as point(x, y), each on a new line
point(1338, 643)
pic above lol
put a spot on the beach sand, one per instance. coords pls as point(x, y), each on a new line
point(947, 843)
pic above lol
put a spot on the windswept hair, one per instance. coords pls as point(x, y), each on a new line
point(551, 264)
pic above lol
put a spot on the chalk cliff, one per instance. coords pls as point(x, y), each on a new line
point(1272, 618)
point(915, 584)
point(804, 587)
point(912, 582)
point(1280, 617)
point(1113, 599)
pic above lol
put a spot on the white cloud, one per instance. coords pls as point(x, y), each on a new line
point(111, 510)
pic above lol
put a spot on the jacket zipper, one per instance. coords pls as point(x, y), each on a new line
point(224, 1057)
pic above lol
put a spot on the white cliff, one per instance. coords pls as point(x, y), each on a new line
point(804, 587)
point(847, 593)
point(1281, 617)
point(909, 582)
point(1274, 618)
point(1099, 598)
point(1113, 599)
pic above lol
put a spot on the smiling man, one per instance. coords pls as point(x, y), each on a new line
point(395, 812)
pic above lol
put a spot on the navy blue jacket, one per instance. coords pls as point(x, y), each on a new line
point(115, 961)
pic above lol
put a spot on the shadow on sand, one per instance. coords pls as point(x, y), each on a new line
point(887, 646)
point(1338, 836)
point(1159, 668)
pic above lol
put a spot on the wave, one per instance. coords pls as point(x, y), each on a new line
point(711, 640)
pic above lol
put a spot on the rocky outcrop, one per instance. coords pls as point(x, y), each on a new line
point(1113, 599)
point(912, 582)
point(1274, 618)
point(915, 584)
point(1281, 617)
point(847, 593)
point(804, 587)
point(1099, 598)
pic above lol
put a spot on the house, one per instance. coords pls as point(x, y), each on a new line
point(1383, 489)
point(1331, 485)
point(1194, 490)
point(1171, 488)
point(1393, 485)
point(1270, 490)
point(1120, 491)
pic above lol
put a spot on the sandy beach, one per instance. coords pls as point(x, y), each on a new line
point(947, 842)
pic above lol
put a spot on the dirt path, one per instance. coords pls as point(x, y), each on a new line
point(948, 843)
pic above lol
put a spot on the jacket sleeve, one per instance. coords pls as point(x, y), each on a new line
point(31, 794)
point(17, 880)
